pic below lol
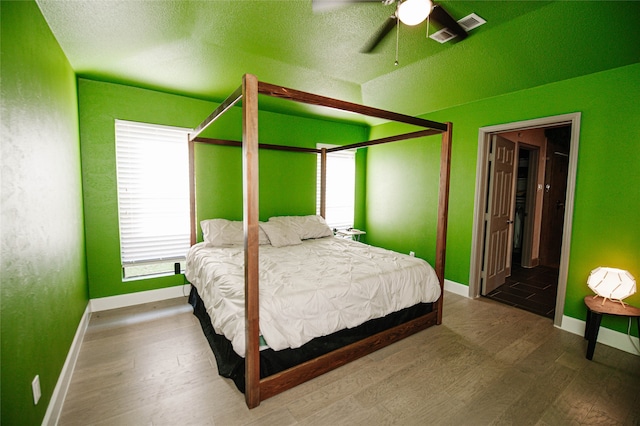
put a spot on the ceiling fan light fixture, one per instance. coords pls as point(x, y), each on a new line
point(413, 12)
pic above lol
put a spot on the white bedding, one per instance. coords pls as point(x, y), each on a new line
point(308, 290)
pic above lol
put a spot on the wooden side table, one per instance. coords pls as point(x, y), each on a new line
point(595, 310)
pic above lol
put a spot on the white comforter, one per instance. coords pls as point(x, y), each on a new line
point(309, 290)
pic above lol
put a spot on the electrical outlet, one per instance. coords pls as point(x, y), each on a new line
point(35, 386)
point(412, 253)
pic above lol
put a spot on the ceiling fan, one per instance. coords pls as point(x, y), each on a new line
point(408, 12)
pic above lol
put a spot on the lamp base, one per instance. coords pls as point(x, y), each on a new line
point(604, 299)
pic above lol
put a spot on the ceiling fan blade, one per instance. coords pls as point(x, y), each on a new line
point(388, 25)
point(442, 18)
point(327, 5)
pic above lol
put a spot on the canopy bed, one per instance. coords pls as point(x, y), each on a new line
point(280, 368)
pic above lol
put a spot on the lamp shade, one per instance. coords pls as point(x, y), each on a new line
point(412, 12)
point(611, 283)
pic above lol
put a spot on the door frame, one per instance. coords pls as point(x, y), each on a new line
point(482, 171)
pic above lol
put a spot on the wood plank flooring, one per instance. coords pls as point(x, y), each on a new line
point(488, 363)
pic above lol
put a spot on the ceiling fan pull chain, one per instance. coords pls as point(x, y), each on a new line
point(428, 26)
point(397, 42)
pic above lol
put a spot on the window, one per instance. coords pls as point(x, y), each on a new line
point(341, 182)
point(153, 197)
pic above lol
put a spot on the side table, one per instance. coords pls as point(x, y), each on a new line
point(595, 310)
point(354, 234)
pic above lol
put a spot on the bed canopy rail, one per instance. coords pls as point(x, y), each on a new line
point(313, 99)
point(257, 389)
point(323, 160)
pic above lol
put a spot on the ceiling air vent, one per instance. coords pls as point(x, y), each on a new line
point(468, 23)
point(443, 36)
point(471, 21)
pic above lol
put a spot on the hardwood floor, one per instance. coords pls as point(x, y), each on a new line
point(488, 363)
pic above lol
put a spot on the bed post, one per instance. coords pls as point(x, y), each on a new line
point(192, 190)
point(323, 182)
point(443, 210)
point(251, 272)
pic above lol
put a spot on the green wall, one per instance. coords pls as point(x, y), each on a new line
point(606, 223)
point(287, 180)
point(99, 105)
point(287, 184)
point(402, 197)
point(44, 284)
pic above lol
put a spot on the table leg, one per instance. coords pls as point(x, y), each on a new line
point(588, 325)
point(594, 320)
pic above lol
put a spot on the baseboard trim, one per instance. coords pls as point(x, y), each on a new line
point(132, 299)
point(54, 409)
point(606, 336)
point(457, 288)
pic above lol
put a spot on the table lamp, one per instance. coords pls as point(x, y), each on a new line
point(611, 283)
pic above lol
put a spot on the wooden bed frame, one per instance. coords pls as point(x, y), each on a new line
point(257, 389)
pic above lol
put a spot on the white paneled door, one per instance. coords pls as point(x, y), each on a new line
point(499, 214)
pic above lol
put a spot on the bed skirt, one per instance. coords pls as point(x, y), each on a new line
point(231, 365)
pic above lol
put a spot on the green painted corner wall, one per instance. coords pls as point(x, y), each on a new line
point(606, 223)
point(44, 284)
point(287, 180)
point(401, 205)
point(99, 105)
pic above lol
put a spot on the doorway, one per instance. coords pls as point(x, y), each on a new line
point(535, 220)
point(540, 203)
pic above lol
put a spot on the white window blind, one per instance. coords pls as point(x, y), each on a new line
point(341, 183)
point(153, 192)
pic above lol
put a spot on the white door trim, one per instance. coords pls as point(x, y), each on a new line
point(477, 241)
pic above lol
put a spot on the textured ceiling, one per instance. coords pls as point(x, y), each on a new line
point(202, 48)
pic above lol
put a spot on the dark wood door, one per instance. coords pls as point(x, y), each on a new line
point(555, 192)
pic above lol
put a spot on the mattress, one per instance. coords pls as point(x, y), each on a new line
point(308, 290)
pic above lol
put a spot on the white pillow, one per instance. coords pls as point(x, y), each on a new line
point(311, 226)
point(223, 232)
point(280, 235)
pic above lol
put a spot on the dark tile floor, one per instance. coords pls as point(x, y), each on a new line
point(531, 289)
